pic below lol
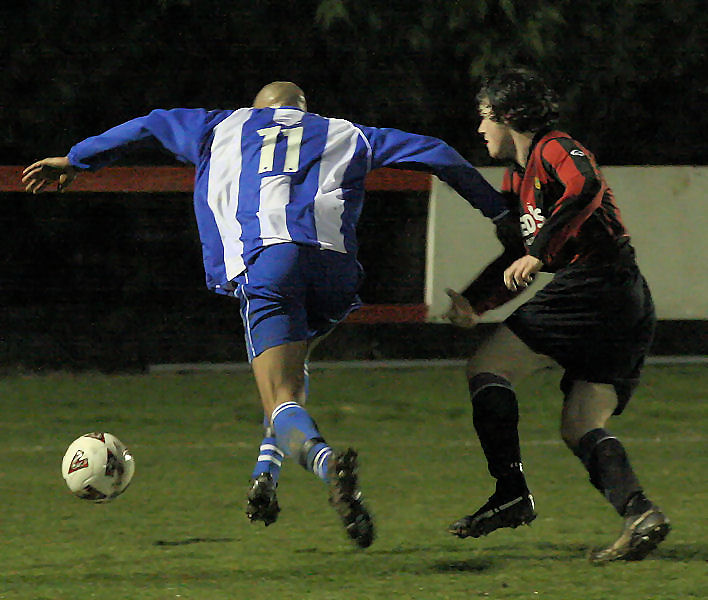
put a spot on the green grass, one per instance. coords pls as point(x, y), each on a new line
point(180, 531)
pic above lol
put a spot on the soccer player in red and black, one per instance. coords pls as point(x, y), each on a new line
point(595, 317)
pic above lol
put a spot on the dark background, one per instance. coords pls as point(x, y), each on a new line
point(115, 281)
point(633, 74)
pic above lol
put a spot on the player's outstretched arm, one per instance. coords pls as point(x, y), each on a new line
point(396, 148)
point(57, 170)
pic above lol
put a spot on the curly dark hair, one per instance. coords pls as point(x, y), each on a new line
point(520, 98)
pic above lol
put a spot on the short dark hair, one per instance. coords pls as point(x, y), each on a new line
point(520, 98)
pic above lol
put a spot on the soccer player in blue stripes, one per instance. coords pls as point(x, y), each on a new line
point(277, 195)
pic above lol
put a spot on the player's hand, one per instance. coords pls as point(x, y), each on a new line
point(49, 170)
point(522, 272)
point(461, 312)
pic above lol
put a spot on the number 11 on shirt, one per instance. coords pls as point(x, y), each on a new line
point(292, 155)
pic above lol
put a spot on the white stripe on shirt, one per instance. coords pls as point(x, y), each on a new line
point(224, 172)
point(329, 200)
point(274, 197)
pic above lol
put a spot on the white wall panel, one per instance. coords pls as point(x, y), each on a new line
point(664, 208)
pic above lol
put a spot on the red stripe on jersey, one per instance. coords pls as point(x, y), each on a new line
point(578, 187)
point(559, 191)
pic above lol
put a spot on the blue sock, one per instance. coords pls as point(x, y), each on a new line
point(270, 457)
point(317, 457)
point(298, 435)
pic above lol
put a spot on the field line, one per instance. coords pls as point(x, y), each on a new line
point(379, 364)
point(677, 439)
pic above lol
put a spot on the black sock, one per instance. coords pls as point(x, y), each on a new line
point(607, 463)
point(496, 418)
point(637, 504)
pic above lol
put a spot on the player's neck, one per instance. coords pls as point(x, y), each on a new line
point(522, 143)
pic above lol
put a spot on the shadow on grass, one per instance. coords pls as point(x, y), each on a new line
point(195, 540)
point(417, 560)
point(681, 552)
point(555, 551)
point(471, 565)
point(375, 550)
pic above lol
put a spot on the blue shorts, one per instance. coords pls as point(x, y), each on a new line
point(291, 293)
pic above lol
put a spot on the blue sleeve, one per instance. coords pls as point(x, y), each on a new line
point(178, 130)
point(395, 148)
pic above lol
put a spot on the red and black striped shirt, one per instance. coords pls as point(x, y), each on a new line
point(567, 211)
point(567, 214)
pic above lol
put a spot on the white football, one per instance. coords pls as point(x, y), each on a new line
point(97, 467)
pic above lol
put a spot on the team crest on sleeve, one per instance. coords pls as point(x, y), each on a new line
point(78, 462)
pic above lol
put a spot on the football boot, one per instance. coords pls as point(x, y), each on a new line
point(262, 503)
point(496, 513)
point(346, 499)
point(640, 535)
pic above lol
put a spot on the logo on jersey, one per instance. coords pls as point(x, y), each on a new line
point(531, 221)
point(577, 152)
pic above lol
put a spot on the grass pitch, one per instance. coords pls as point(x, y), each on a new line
point(180, 531)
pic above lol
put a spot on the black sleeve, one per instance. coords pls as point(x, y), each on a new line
point(488, 291)
point(508, 230)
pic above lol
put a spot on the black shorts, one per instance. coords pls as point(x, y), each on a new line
point(596, 320)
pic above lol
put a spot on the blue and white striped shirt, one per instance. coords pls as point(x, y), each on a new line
point(273, 175)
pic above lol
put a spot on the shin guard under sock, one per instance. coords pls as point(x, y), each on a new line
point(495, 413)
point(610, 472)
point(297, 435)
